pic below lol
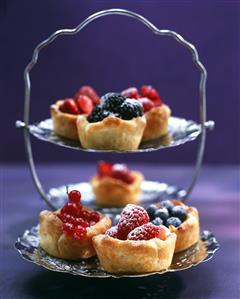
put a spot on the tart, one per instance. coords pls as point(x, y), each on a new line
point(156, 112)
point(64, 113)
point(135, 246)
point(67, 233)
point(117, 123)
point(115, 185)
point(180, 219)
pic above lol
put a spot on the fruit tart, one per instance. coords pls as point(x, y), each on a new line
point(134, 245)
point(156, 112)
point(115, 185)
point(117, 123)
point(67, 233)
point(180, 219)
point(64, 112)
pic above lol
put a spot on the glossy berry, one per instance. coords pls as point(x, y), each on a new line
point(84, 104)
point(162, 213)
point(151, 211)
point(132, 216)
point(157, 221)
point(89, 92)
point(104, 169)
point(121, 172)
point(68, 228)
point(79, 232)
point(112, 101)
point(131, 93)
point(74, 196)
point(130, 108)
point(147, 91)
point(173, 221)
point(69, 106)
point(112, 232)
point(94, 216)
point(167, 204)
point(147, 104)
point(179, 212)
point(71, 209)
point(85, 215)
point(146, 232)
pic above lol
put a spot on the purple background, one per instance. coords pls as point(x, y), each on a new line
point(113, 53)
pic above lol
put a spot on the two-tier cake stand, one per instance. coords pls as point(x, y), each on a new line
point(180, 132)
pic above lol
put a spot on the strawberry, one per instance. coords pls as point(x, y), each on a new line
point(147, 91)
point(69, 106)
point(146, 232)
point(89, 92)
point(131, 217)
point(131, 93)
point(147, 104)
point(84, 104)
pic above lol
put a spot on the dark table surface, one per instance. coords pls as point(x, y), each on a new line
point(216, 196)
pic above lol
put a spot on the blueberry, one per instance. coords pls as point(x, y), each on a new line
point(157, 221)
point(151, 211)
point(173, 221)
point(130, 108)
point(167, 204)
point(179, 212)
point(162, 213)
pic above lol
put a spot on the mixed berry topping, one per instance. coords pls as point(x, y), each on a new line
point(113, 104)
point(116, 171)
point(167, 214)
point(134, 225)
point(75, 218)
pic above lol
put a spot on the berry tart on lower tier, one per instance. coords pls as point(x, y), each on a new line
point(115, 185)
point(180, 219)
point(135, 246)
point(117, 123)
point(64, 113)
point(67, 233)
point(156, 112)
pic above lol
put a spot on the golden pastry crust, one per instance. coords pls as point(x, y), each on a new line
point(132, 257)
point(55, 242)
point(64, 124)
point(112, 133)
point(157, 122)
point(110, 192)
point(188, 232)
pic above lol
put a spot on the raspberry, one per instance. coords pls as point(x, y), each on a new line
point(130, 108)
point(104, 169)
point(89, 92)
point(146, 232)
point(121, 172)
point(132, 216)
point(69, 106)
point(131, 93)
point(112, 232)
point(98, 114)
point(147, 104)
point(74, 196)
point(112, 101)
point(84, 104)
point(147, 91)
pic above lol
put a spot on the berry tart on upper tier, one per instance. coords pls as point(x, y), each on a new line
point(117, 123)
point(115, 185)
point(180, 219)
point(64, 113)
point(134, 245)
point(67, 233)
point(156, 112)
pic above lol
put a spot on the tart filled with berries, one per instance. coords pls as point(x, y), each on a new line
point(115, 185)
point(64, 113)
point(135, 245)
point(67, 233)
point(180, 219)
point(117, 123)
point(156, 112)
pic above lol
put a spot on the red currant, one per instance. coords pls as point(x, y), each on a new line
point(94, 216)
point(70, 208)
point(80, 232)
point(68, 228)
point(74, 196)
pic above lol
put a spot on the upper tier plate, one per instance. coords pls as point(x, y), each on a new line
point(180, 132)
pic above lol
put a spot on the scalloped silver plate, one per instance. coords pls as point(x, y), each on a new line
point(152, 192)
point(28, 246)
point(180, 132)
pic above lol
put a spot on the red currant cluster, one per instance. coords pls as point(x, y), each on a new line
point(75, 218)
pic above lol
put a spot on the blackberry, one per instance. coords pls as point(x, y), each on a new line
point(130, 109)
point(112, 101)
point(98, 114)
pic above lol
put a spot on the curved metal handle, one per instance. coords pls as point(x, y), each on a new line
point(176, 36)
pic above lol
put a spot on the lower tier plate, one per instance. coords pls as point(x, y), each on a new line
point(152, 192)
point(28, 246)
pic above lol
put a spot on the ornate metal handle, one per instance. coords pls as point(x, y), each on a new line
point(154, 29)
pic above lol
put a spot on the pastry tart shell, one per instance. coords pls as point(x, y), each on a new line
point(132, 257)
point(111, 192)
point(112, 133)
point(58, 244)
point(157, 122)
